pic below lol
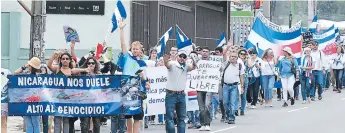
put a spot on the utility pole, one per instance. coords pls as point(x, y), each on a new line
point(37, 27)
point(228, 24)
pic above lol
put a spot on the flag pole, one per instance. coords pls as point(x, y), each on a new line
point(107, 33)
point(181, 31)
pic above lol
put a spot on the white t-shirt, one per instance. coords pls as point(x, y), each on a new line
point(232, 73)
point(318, 59)
point(338, 65)
point(177, 76)
point(267, 68)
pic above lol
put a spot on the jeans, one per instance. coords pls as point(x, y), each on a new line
point(45, 122)
point(253, 91)
point(175, 101)
point(193, 117)
point(214, 105)
point(118, 124)
point(230, 98)
point(243, 96)
point(325, 79)
point(58, 120)
point(267, 86)
point(222, 109)
point(338, 75)
point(305, 86)
point(32, 124)
point(317, 80)
point(287, 83)
point(85, 124)
point(204, 102)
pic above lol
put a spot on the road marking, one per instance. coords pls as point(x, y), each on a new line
point(297, 109)
point(343, 99)
point(223, 129)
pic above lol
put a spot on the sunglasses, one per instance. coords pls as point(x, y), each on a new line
point(242, 53)
point(91, 63)
point(183, 56)
point(64, 58)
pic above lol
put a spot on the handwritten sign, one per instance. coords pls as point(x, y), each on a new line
point(216, 58)
point(157, 77)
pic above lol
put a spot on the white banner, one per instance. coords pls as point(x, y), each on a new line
point(157, 77)
point(216, 58)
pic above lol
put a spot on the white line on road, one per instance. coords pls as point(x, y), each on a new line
point(297, 109)
point(223, 129)
point(343, 99)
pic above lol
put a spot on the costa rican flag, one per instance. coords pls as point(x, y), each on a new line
point(192, 95)
point(263, 37)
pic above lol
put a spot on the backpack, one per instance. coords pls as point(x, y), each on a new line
point(227, 65)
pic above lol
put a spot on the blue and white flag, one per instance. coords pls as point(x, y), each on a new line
point(183, 42)
point(163, 40)
point(222, 40)
point(313, 27)
point(119, 13)
point(337, 36)
point(76, 96)
point(326, 40)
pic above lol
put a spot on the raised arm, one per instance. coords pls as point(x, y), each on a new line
point(79, 70)
point(72, 48)
point(51, 60)
point(166, 61)
point(122, 37)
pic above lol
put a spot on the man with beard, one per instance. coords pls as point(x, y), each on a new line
point(175, 96)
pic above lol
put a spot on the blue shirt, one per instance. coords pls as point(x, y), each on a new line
point(129, 64)
point(284, 65)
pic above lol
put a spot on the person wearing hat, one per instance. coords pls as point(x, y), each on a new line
point(307, 65)
point(288, 67)
point(32, 123)
point(175, 97)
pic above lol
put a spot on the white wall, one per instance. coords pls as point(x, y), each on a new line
point(91, 28)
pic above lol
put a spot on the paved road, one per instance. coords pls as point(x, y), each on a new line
point(327, 115)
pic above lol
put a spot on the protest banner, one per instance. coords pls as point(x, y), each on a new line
point(157, 77)
point(71, 34)
point(307, 36)
point(76, 96)
point(216, 58)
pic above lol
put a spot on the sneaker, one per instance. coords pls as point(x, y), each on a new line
point(242, 113)
point(292, 101)
point(253, 107)
point(202, 128)
point(312, 99)
point(197, 125)
point(231, 122)
point(320, 97)
point(236, 112)
point(190, 126)
point(308, 99)
point(304, 102)
point(226, 121)
point(271, 105)
point(207, 128)
point(222, 120)
point(279, 99)
point(285, 104)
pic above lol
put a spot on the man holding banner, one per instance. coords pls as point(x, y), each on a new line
point(175, 96)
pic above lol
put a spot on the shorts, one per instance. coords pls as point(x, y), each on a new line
point(4, 109)
point(139, 116)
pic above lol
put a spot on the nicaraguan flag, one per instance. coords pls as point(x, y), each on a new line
point(326, 40)
point(163, 40)
point(119, 13)
point(262, 37)
point(314, 24)
point(180, 37)
point(183, 42)
point(222, 41)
